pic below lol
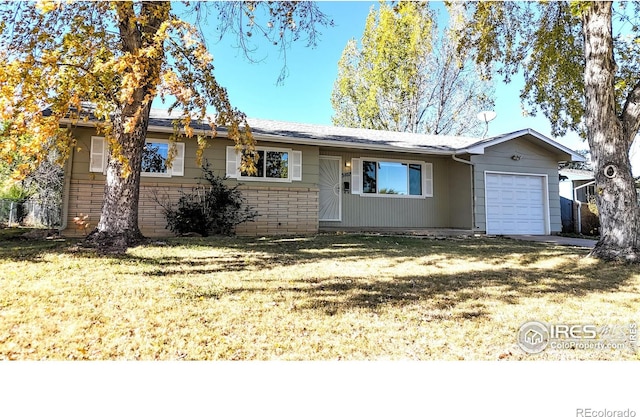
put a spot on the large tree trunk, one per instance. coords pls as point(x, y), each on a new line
point(609, 140)
point(118, 225)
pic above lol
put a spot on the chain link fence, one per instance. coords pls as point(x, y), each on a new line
point(32, 213)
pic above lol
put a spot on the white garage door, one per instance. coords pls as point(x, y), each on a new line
point(515, 204)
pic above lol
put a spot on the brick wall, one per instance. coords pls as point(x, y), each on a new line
point(85, 197)
point(282, 210)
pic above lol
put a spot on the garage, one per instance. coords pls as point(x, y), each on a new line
point(516, 204)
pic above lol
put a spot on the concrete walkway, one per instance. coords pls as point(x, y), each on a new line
point(557, 240)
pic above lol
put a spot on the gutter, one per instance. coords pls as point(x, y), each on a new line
point(575, 200)
point(464, 161)
point(65, 190)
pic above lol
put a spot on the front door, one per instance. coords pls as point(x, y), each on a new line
point(330, 198)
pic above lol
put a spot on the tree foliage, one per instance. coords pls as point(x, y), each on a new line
point(55, 57)
point(118, 56)
point(406, 75)
point(580, 62)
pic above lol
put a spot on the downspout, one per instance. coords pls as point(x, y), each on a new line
point(473, 194)
point(575, 199)
point(68, 170)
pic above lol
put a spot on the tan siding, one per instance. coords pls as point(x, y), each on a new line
point(460, 195)
point(365, 212)
point(284, 208)
point(214, 153)
point(533, 160)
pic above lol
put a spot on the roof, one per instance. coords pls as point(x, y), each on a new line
point(345, 137)
point(550, 144)
point(577, 174)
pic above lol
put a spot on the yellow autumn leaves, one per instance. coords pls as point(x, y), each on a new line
point(87, 60)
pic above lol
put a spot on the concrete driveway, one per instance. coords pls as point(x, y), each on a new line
point(557, 240)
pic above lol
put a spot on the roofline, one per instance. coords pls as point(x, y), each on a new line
point(479, 148)
point(350, 145)
point(295, 141)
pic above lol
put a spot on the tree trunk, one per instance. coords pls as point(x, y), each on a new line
point(118, 225)
point(616, 196)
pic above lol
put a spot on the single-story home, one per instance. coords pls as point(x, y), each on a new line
point(313, 178)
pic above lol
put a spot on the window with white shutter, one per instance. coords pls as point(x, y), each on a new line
point(98, 155)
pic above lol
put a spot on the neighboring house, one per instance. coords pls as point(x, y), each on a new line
point(576, 188)
point(580, 180)
point(313, 178)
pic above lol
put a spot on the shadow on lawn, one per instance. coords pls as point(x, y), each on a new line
point(208, 256)
point(268, 253)
point(17, 248)
point(451, 296)
point(446, 295)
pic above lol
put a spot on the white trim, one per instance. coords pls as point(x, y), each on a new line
point(425, 167)
point(339, 159)
point(356, 176)
point(266, 149)
point(98, 160)
point(232, 169)
point(295, 165)
point(479, 148)
point(545, 191)
point(177, 166)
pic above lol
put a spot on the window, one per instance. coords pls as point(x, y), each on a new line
point(391, 178)
point(271, 164)
point(154, 158)
point(274, 164)
point(590, 190)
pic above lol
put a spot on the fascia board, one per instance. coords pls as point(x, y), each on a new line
point(479, 149)
point(299, 141)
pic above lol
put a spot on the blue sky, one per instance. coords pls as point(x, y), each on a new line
point(306, 93)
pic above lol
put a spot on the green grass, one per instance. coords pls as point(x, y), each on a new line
point(306, 298)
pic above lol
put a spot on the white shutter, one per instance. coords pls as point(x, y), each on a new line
point(427, 180)
point(296, 166)
point(177, 167)
point(356, 176)
point(232, 162)
point(98, 155)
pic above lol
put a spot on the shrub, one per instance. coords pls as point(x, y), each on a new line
point(210, 208)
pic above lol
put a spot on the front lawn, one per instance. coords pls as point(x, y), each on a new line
point(322, 297)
